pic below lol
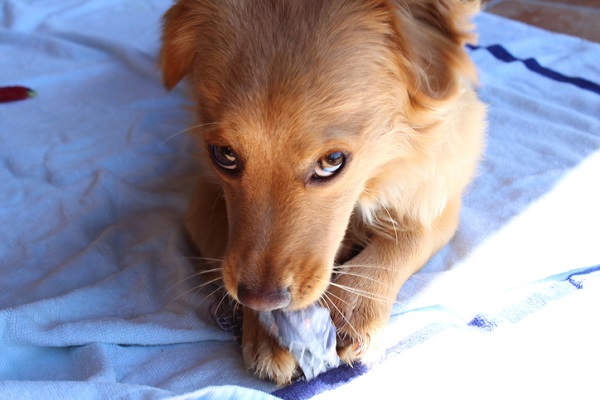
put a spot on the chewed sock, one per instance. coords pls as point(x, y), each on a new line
point(309, 334)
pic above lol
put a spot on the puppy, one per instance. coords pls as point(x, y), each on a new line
point(337, 139)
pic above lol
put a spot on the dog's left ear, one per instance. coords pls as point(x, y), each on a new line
point(179, 34)
point(431, 35)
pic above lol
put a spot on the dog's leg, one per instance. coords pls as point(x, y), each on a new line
point(263, 354)
point(363, 292)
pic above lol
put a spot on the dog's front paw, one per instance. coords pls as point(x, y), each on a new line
point(359, 313)
point(263, 355)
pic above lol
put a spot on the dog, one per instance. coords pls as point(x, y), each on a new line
point(337, 138)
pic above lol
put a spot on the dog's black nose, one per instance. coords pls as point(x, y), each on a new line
point(263, 300)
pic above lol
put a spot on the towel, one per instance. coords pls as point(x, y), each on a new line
point(98, 293)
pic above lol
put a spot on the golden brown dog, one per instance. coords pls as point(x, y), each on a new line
point(338, 138)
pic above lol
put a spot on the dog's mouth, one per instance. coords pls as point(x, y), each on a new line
point(274, 299)
point(297, 290)
point(269, 296)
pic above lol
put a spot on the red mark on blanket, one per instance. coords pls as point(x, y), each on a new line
point(15, 93)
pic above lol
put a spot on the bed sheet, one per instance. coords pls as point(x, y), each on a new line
point(97, 287)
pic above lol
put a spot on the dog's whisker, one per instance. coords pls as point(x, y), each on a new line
point(358, 292)
point(197, 289)
point(392, 220)
point(192, 276)
point(188, 129)
point(205, 271)
point(236, 304)
point(220, 287)
point(173, 136)
point(362, 277)
point(328, 293)
point(221, 301)
point(366, 266)
point(187, 278)
point(363, 293)
point(346, 320)
point(208, 259)
point(203, 285)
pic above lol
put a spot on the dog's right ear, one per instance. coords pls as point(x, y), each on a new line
point(431, 36)
point(179, 34)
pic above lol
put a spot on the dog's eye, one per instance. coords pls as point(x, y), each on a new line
point(224, 157)
point(329, 165)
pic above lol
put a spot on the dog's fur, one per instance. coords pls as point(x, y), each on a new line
point(280, 84)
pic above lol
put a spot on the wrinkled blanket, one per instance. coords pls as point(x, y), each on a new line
point(98, 294)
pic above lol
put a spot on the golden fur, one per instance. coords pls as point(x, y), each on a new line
point(281, 84)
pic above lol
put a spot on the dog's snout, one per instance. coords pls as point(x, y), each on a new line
point(263, 300)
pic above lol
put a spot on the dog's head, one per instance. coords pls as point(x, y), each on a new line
point(304, 104)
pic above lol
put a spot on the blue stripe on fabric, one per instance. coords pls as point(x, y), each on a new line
point(573, 278)
point(532, 64)
point(328, 380)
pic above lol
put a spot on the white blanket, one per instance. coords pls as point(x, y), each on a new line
point(97, 297)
